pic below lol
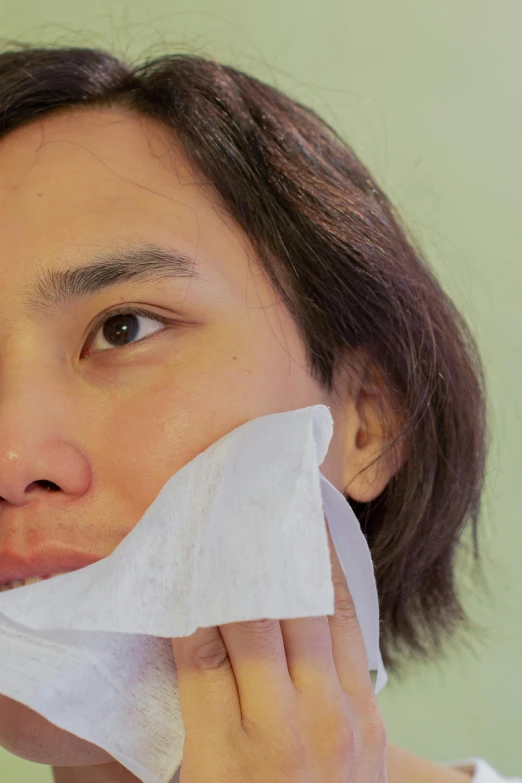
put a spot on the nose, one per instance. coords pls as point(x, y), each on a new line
point(39, 451)
point(42, 465)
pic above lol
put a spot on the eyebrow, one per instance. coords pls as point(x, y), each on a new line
point(53, 289)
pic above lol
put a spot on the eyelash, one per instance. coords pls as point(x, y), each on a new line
point(127, 310)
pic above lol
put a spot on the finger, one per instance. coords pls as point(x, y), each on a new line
point(257, 654)
point(325, 651)
point(208, 694)
point(349, 650)
point(310, 659)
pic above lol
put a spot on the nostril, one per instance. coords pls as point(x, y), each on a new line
point(44, 484)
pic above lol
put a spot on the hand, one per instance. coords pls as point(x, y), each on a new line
point(281, 701)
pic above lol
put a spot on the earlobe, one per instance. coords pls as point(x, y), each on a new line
point(367, 483)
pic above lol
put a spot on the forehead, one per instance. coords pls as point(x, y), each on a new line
point(94, 153)
point(87, 178)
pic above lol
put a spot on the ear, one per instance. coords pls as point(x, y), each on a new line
point(371, 421)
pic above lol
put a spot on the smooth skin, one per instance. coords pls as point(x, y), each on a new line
point(109, 425)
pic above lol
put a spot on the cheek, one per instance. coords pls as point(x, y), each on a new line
point(31, 737)
point(151, 437)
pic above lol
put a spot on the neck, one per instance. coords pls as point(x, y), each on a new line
point(97, 773)
point(402, 767)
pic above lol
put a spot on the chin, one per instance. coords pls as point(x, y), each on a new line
point(32, 737)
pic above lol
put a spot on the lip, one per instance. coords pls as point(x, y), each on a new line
point(43, 563)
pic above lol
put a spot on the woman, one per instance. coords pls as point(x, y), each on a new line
point(184, 249)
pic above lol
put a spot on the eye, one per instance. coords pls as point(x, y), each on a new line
point(121, 328)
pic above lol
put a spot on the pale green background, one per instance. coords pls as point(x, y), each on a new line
point(428, 92)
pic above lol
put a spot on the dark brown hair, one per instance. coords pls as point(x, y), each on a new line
point(337, 253)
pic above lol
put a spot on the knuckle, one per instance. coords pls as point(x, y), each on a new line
point(282, 750)
point(211, 654)
point(343, 603)
point(266, 633)
point(291, 755)
point(265, 627)
point(343, 744)
point(374, 731)
point(338, 731)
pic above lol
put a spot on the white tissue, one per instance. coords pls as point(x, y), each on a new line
point(237, 534)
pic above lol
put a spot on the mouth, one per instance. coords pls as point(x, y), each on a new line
point(13, 583)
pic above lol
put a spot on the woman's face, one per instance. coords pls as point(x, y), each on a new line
point(108, 425)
